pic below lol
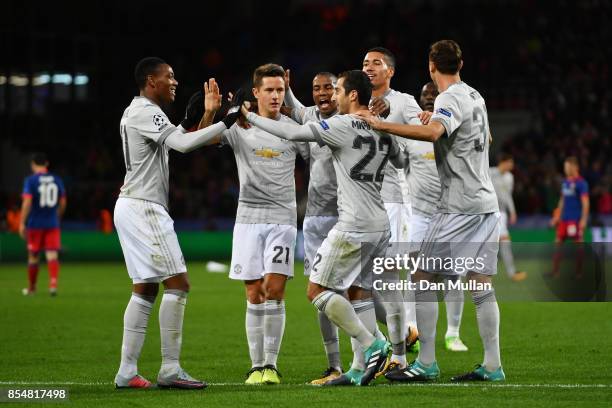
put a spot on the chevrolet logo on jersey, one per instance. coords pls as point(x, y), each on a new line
point(267, 153)
point(429, 156)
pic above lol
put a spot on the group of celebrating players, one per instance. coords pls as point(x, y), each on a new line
point(382, 172)
point(356, 208)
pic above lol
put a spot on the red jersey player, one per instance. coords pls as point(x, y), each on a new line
point(572, 213)
point(44, 202)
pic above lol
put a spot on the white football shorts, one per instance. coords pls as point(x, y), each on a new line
point(258, 249)
point(315, 231)
point(458, 243)
point(148, 241)
point(345, 259)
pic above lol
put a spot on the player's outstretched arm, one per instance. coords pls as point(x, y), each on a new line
point(186, 142)
point(428, 133)
point(211, 134)
point(287, 131)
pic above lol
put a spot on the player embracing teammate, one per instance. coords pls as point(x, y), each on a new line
point(466, 223)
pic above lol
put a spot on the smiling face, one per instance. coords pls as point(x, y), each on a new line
point(163, 84)
point(323, 94)
point(270, 95)
point(376, 68)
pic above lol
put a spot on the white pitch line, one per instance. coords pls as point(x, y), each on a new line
point(426, 385)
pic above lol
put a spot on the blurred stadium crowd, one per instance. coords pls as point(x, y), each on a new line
point(551, 63)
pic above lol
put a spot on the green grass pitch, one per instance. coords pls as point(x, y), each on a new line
point(554, 354)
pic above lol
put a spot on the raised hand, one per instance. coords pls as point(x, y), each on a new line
point(212, 97)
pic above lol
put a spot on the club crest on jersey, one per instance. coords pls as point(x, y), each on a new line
point(324, 125)
point(444, 112)
point(159, 121)
point(267, 153)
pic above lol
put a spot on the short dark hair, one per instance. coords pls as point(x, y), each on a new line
point(40, 159)
point(504, 156)
point(357, 80)
point(389, 57)
point(267, 70)
point(446, 56)
point(145, 67)
point(327, 74)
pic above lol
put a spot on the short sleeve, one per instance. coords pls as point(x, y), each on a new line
point(332, 132)
point(60, 187)
point(448, 112)
point(27, 188)
point(583, 188)
point(410, 111)
point(404, 110)
point(153, 124)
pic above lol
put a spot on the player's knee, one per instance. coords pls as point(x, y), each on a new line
point(479, 278)
point(146, 289)
point(275, 292)
point(33, 257)
point(358, 293)
point(274, 286)
point(254, 292)
point(178, 282)
point(312, 291)
point(51, 255)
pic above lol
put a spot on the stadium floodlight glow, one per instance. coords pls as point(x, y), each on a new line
point(81, 79)
point(65, 79)
point(19, 80)
point(41, 79)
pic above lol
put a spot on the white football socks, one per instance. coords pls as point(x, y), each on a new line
point(135, 321)
point(171, 312)
point(453, 299)
point(274, 328)
point(505, 250)
point(331, 342)
point(340, 311)
point(487, 315)
point(254, 323)
point(427, 318)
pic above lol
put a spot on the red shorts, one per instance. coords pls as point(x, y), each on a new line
point(569, 230)
point(47, 239)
